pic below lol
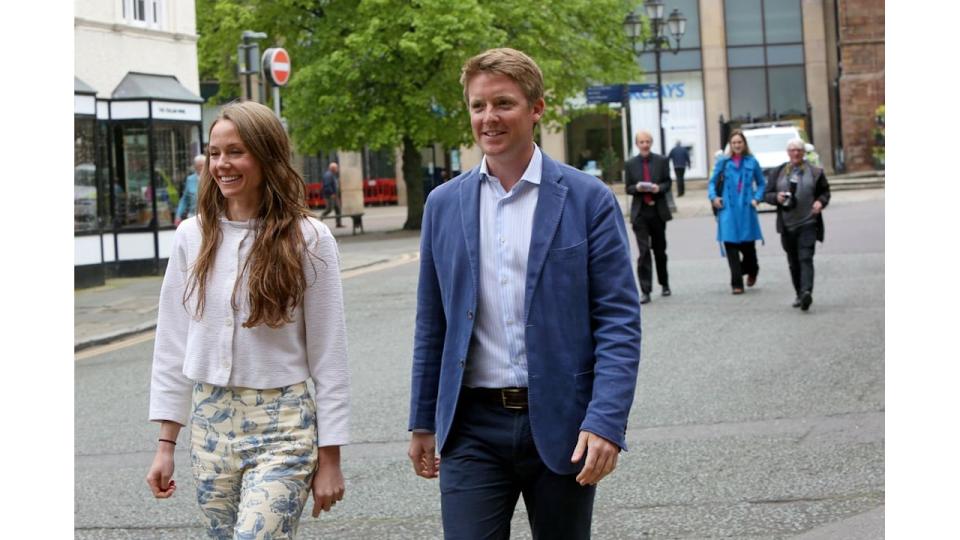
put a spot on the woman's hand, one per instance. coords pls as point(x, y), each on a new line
point(718, 203)
point(328, 485)
point(160, 476)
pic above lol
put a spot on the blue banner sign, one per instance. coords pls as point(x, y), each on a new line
point(609, 93)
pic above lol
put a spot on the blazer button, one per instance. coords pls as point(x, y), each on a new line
point(461, 363)
point(470, 315)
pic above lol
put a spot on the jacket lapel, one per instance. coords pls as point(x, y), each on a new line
point(546, 218)
point(470, 217)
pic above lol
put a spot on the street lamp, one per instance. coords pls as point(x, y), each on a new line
point(657, 41)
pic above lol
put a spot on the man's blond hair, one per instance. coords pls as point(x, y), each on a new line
point(505, 61)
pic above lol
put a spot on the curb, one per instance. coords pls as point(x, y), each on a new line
point(104, 339)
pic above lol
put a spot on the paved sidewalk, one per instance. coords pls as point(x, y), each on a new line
point(127, 306)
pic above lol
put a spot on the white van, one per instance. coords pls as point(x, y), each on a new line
point(768, 143)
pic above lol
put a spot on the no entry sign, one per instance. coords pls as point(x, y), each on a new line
point(276, 66)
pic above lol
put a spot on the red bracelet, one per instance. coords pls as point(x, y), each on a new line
point(169, 441)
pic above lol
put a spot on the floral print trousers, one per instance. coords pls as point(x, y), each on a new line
point(253, 454)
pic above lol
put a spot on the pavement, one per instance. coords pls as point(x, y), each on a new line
point(123, 307)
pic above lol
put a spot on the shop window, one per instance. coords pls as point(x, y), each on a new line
point(176, 144)
point(84, 176)
point(132, 193)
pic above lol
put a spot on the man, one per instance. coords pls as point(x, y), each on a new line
point(188, 199)
point(331, 191)
point(648, 180)
point(528, 327)
point(681, 160)
point(801, 192)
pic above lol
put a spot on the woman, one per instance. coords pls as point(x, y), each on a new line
point(251, 307)
point(741, 184)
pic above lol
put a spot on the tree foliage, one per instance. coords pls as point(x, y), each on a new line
point(385, 73)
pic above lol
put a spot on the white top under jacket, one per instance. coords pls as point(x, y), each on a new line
point(218, 350)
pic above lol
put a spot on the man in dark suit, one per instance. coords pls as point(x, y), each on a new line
point(528, 324)
point(331, 191)
point(648, 180)
point(681, 160)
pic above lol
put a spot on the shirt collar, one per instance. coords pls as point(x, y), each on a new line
point(532, 174)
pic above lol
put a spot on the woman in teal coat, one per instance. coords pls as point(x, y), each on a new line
point(738, 227)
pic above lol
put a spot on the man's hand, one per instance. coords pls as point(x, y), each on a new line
point(601, 458)
point(817, 207)
point(781, 196)
point(718, 203)
point(656, 188)
point(422, 454)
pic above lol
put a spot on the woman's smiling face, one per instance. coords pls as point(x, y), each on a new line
point(235, 169)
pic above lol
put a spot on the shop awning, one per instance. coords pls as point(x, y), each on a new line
point(80, 87)
point(158, 87)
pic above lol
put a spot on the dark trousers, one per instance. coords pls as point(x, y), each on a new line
point(651, 232)
point(333, 204)
point(488, 461)
point(742, 258)
point(800, 244)
point(679, 171)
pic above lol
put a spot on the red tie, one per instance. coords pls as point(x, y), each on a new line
point(647, 196)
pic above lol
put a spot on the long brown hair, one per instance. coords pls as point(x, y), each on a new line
point(274, 268)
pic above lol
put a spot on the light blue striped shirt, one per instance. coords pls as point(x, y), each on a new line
point(498, 355)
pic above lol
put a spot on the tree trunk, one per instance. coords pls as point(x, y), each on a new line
point(413, 176)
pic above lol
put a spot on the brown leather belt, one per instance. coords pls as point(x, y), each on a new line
point(508, 398)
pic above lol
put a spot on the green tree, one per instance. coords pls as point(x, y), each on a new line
point(384, 73)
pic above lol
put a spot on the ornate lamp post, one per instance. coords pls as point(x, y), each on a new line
point(657, 41)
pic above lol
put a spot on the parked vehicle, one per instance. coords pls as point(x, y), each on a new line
point(768, 143)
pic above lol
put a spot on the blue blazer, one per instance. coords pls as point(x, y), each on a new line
point(582, 311)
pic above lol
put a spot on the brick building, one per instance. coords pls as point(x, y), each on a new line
point(861, 77)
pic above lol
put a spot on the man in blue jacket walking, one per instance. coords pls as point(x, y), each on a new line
point(528, 324)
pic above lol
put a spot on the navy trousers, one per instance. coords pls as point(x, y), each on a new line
point(490, 460)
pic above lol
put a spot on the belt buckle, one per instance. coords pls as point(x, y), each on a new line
point(504, 393)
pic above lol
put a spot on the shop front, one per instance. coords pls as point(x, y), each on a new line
point(89, 268)
point(150, 133)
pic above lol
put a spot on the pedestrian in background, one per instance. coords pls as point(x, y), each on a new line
point(735, 188)
point(800, 193)
point(681, 160)
point(648, 181)
point(188, 199)
point(331, 191)
point(528, 324)
point(251, 307)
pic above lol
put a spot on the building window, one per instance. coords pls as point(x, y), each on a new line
point(84, 175)
point(765, 59)
point(145, 13)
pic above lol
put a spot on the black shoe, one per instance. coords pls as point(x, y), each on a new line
point(644, 298)
point(796, 302)
point(665, 292)
point(805, 300)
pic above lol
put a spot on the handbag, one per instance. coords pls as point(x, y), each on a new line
point(719, 189)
